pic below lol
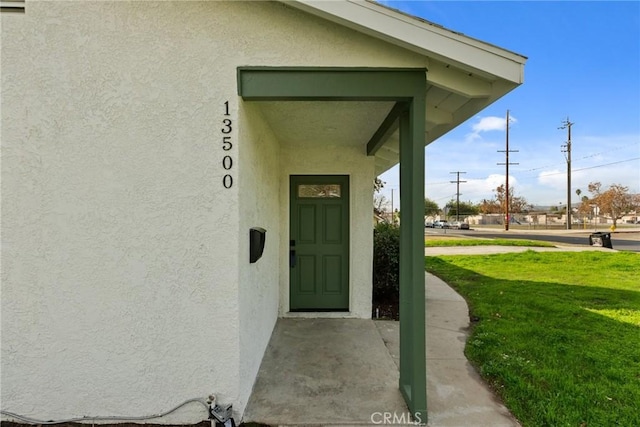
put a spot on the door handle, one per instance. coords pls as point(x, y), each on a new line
point(292, 253)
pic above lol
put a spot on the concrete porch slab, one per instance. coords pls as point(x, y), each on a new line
point(325, 372)
point(339, 372)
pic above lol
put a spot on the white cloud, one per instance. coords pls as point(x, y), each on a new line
point(478, 189)
point(555, 179)
point(470, 190)
point(488, 124)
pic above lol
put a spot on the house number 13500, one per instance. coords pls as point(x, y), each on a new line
point(227, 160)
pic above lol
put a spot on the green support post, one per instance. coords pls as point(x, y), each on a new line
point(413, 374)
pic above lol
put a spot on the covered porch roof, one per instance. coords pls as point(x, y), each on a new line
point(464, 75)
point(392, 113)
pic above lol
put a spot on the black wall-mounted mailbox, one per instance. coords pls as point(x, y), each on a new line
point(257, 237)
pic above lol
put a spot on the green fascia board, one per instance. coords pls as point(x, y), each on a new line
point(329, 84)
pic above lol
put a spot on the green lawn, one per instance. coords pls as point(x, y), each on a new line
point(557, 335)
point(444, 241)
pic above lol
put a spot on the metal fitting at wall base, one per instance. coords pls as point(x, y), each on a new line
point(222, 414)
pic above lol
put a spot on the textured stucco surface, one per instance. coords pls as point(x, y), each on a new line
point(331, 160)
point(126, 287)
point(258, 178)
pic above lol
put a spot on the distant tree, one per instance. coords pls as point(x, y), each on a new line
point(517, 204)
point(430, 207)
point(614, 202)
point(466, 208)
point(635, 201)
point(378, 184)
point(580, 210)
point(489, 206)
point(585, 207)
point(380, 202)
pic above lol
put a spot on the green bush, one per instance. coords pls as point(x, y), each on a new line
point(386, 263)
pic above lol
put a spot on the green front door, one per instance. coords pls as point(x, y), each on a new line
point(319, 243)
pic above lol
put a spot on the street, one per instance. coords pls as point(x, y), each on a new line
point(623, 240)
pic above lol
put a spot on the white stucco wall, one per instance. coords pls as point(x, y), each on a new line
point(259, 182)
point(125, 289)
point(115, 293)
point(300, 159)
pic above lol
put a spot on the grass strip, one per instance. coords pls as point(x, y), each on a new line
point(557, 335)
point(430, 242)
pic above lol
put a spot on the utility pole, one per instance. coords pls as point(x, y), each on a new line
point(566, 148)
point(457, 181)
point(506, 163)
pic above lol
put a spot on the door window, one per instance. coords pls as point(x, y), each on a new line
point(319, 191)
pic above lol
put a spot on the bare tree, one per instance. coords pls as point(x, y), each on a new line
point(615, 202)
point(378, 184)
point(517, 204)
point(585, 207)
point(489, 206)
point(380, 204)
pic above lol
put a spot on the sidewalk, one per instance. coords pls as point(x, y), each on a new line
point(456, 395)
point(486, 250)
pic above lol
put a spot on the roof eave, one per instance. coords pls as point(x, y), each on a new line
point(419, 36)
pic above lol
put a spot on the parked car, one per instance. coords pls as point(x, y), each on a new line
point(441, 224)
point(459, 225)
point(428, 224)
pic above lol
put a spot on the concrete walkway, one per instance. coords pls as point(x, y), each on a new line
point(319, 372)
point(456, 395)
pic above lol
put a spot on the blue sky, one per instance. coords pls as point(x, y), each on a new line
point(584, 63)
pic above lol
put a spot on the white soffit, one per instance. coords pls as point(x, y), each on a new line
point(419, 36)
point(343, 123)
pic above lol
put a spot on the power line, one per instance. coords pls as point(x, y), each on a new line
point(594, 167)
point(608, 164)
point(559, 173)
point(581, 158)
point(605, 152)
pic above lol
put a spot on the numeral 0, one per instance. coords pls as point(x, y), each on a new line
point(227, 181)
point(227, 162)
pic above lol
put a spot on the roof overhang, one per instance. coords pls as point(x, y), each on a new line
point(464, 75)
